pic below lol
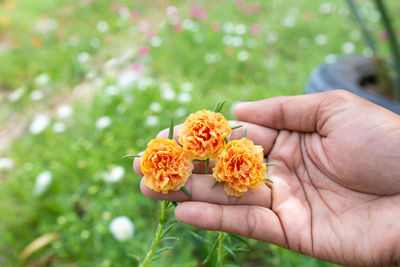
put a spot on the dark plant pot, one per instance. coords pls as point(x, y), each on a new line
point(346, 73)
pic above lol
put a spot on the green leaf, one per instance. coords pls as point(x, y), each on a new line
point(236, 127)
point(166, 230)
point(200, 238)
point(233, 254)
point(163, 249)
point(219, 106)
point(135, 156)
point(241, 239)
point(170, 238)
point(207, 164)
point(171, 129)
point(268, 180)
point(215, 184)
point(245, 133)
point(213, 248)
point(270, 164)
point(184, 190)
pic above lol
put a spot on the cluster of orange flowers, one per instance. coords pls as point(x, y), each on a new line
point(238, 164)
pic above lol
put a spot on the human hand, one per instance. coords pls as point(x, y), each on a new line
point(336, 190)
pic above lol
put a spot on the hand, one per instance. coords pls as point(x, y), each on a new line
point(336, 190)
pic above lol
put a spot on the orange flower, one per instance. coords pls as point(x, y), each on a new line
point(165, 165)
point(203, 134)
point(240, 166)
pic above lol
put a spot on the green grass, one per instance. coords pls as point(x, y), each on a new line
point(79, 204)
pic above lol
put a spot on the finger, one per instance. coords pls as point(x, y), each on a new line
point(250, 221)
point(199, 186)
point(136, 165)
point(260, 135)
point(298, 113)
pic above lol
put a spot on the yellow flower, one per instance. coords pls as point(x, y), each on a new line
point(240, 166)
point(165, 165)
point(203, 134)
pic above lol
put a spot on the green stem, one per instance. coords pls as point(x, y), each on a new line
point(157, 236)
point(207, 164)
point(394, 45)
point(361, 25)
point(221, 237)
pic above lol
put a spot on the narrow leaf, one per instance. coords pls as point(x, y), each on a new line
point(166, 230)
point(184, 190)
point(268, 180)
point(245, 133)
point(241, 239)
point(270, 164)
point(226, 140)
point(170, 238)
point(134, 156)
point(171, 129)
point(213, 248)
point(236, 127)
point(219, 106)
point(163, 249)
point(215, 184)
point(235, 258)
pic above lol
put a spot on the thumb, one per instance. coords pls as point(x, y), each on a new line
point(304, 113)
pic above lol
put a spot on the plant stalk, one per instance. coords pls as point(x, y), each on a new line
point(394, 45)
point(157, 237)
point(221, 237)
point(361, 25)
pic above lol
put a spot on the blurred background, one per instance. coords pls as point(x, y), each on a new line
point(83, 83)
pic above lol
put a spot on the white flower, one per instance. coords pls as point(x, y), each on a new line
point(243, 56)
point(229, 27)
point(59, 127)
point(184, 97)
point(103, 122)
point(127, 78)
point(212, 58)
point(36, 95)
point(83, 57)
point(326, 8)
point(124, 12)
point(43, 180)
point(94, 42)
point(155, 41)
point(102, 26)
point(237, 41)
point(155, 107)
point(240, 29)
point(16, 95)
point(227, 40)
point(112, 90)
point(272, 37)
point(46, 25)
point(167, 92)
point(190, 25)
point(348, 47)
point(321, 39)
point(115, 175)
point(187, 87)
point(42, 79)
point(251, 43)
point(180, 112)
point(64, 111)
point(171, 10)
point(122, 228)
point(355, 35)
point(152, 120)
point(144, 82)
point(288, 21)
point(367, 52)
point(39, 124)
point(331, 59)
point(6, 163)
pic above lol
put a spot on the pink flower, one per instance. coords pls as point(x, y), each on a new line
point(143, 50)
point(178, 28)
point(255, 29)
point(137, 67)
point(216, 26)
point(198, 12)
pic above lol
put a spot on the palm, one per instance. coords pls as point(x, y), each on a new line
point(320, 213)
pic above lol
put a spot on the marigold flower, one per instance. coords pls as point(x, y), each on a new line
point(165, 165)
point(203, 134)
point(240, 166)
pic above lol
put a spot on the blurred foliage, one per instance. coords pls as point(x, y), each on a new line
point(146, 64)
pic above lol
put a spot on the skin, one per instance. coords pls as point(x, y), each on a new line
point(336, 187)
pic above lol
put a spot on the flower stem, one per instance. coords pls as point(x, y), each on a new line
point(221, 237)
point(157, 235)
point(394, 45)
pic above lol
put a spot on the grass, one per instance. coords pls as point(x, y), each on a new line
point(187, 71)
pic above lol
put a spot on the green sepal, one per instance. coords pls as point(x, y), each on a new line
point(184, 190)
point(215, 184)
